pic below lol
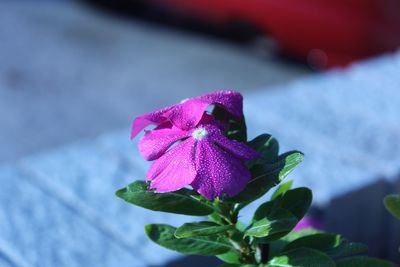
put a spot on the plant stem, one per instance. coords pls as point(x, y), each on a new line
point(229, 213)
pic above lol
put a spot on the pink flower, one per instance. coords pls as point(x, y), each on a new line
point(189, 147)
point(308, 222)
point(188, 113)
point(204, 159)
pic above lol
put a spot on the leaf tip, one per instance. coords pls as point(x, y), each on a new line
point(120, 193)
point(148, 228)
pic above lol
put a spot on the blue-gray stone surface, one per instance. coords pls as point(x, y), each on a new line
point(69, 71)
point(57, 208)
point(346, 122)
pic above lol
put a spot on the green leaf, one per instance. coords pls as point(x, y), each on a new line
point(364, 262)
point(179, 202)
point(265, 209)
point(163, 235)
point(302, 257)
point(297, 201)
point(241, 226)
point(392, 204)
point(299, 234)
point(267, 146)
point(282, 189)
point(277, 246)
point(275, 224)
point(287, 162)
point(346, 248)
point(267, 176)
point(320, 241)
point(232, 256)
point(331, 244)
point(201, 229)
point(215, 217)
point(276, 218)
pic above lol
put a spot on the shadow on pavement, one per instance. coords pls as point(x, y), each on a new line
point(360, 216)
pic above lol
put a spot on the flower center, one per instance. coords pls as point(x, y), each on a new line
point(199, 133)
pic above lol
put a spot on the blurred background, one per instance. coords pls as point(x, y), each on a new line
point(322, 76)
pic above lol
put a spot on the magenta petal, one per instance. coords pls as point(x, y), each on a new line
point(218, 172)
point(141, 122)
point(308, 222)
point(230, 100)
point(240, 150)
point(154, 143)
point(175, 169)
point(188, 114)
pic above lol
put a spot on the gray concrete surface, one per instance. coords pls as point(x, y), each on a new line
point(69, 72)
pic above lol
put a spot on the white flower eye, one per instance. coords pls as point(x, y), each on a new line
point(199, 133)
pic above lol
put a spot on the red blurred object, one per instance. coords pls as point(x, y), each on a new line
point(326, 33)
